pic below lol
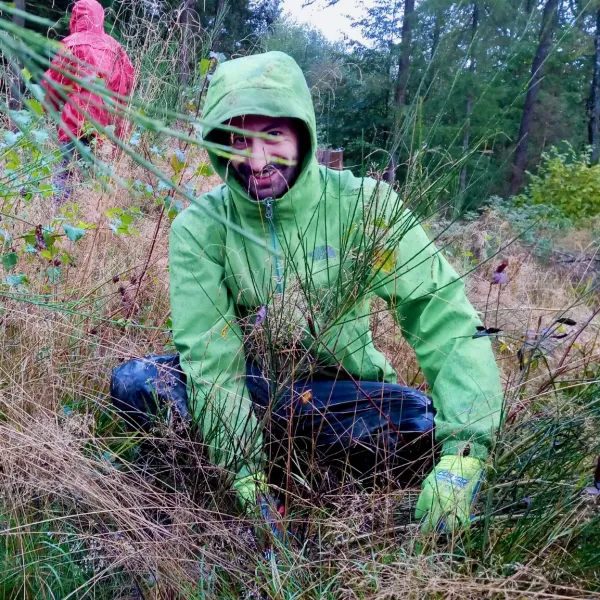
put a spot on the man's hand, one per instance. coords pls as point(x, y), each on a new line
point(253, 493)
point(448, 492)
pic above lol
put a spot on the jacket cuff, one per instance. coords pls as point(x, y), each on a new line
point(248, 488)
point(458, 447)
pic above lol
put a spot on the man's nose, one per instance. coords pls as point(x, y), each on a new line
point(259, 158)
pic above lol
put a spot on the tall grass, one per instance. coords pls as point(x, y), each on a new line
point(89, 509)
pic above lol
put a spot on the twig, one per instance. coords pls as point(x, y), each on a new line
point(363, 536)
point(170, 194)
point(148, 259)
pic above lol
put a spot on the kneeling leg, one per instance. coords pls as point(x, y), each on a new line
point(142, 387)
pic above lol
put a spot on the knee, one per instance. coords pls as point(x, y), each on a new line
point(139, 387)
point(127, 380)
point(129, 391)
point(420, 412)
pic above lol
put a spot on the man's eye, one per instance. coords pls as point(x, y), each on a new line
point(276, 133)
point(239, 141)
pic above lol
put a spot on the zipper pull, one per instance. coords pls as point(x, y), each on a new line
point(269, 208)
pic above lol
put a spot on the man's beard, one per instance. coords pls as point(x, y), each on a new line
point(282, 179)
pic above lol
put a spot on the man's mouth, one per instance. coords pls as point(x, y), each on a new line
point(263, 179)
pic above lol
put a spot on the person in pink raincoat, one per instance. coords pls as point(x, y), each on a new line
point(89, 54)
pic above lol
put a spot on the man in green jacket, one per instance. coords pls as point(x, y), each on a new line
point(292, 272)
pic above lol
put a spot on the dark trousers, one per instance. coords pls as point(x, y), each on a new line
point(370, 427)
point(62, 178)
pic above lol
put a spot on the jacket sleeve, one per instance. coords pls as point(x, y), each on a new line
point(438, 321)
point(54, 78)
point(121, 82)
point(210, 345)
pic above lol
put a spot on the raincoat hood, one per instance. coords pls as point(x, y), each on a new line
point(272, 85)
point(87, 17)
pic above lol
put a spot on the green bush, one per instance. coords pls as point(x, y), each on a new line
point(567, 181)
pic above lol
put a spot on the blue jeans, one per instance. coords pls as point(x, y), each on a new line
point(68, 149)
point(369, 426)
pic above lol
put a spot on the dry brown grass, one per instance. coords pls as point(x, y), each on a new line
point(99, 289)
point(534, 297)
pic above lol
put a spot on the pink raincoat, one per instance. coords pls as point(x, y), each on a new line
point(89, 54)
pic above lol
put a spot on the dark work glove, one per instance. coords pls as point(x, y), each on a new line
point(271, 513)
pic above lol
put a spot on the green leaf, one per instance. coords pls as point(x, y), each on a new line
point(385, 260)
point(114, 212)
point(86, 226)
point(54, 274)
point(178, 161)
point(14, 161)
point(204, 170)
point(49, 253)
point(46, 190)
point(173, 207)
point(73, 233)
point(15, 280)
point(9, 261)
point(36, 107)
point(204, 66)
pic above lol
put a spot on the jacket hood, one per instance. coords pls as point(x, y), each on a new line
point(87, 17)
point(269, 84)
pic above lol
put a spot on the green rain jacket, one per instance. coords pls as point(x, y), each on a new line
point(317, 232)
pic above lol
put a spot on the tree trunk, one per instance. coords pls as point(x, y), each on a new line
point(435, 42)
point(14, 98)
point(594, 121)
point(405, 49)
point(437, 29)
point(469, 103)
point(188, 21)
point(549, 23)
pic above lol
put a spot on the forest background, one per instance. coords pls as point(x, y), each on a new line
point(504, 81)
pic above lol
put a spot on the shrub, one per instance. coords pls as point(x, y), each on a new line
point(567, 181)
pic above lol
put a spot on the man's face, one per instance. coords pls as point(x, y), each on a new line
point(261, 173)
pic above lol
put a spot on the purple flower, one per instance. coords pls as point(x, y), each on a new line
point(500, 277)
point(261, 315)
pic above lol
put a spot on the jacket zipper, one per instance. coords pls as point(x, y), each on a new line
point(274, 242)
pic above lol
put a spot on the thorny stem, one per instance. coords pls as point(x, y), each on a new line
point(148, 258)
point(487, 303)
